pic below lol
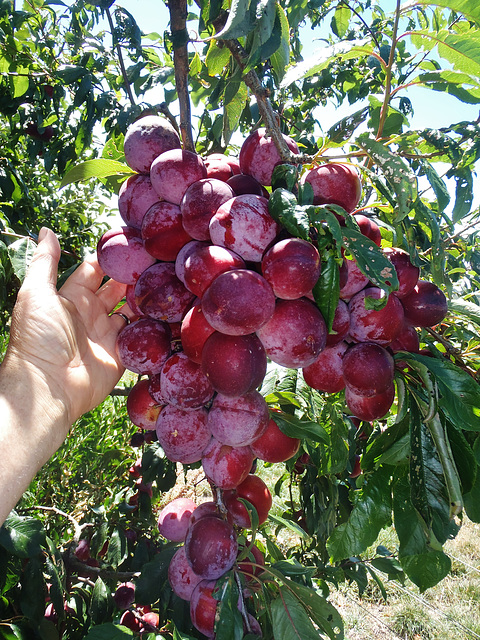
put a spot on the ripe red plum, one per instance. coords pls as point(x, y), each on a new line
point(122, 255)
point(218, 167)
point(335, 183)
point(234, 365)
point(146, 139)
point(238, 302)
point(254, 490)
point(183, 255)
point(226, 466)
point(211, 547)
point(355, 282)
point(174, 171)
point(205, 263)
point(142, 409)
point(426, 305)
point(369, 228)
point(273, 445)
point(243, 183)
point(259, 155)
point(341, 324)
point(181, 576)
point(124, 596)
point(135, 198)
point(144, 345)
point(160, 294)
point(238, 421)
point(295, 334)
point(326, 373)
point(194, 332)
point(200, 202)
point(369, 408)
point(203, 607)
point(291, 267)
point(183, 435)
point(407, 273)
point(407, 340)
point(368, 369)
point(162, 231)
point(244, 225)
point(174, 519)
point(369, 325)
point(184, 384)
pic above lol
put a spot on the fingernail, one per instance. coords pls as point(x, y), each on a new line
point(42, 233)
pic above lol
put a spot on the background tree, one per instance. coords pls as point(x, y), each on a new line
point(72, 80)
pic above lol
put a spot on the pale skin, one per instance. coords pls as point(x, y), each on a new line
point(60, 363)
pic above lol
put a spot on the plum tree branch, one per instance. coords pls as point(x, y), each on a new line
point(179, 36)
point(269, 117)
point(118, 48)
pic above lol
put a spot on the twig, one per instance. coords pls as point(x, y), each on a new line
point(388, 82)
point(97, 572)
point(179, 35)
point(126, 82)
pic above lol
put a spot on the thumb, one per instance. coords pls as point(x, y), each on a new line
point(43, 268)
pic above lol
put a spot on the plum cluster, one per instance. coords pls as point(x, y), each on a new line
point(218, 288)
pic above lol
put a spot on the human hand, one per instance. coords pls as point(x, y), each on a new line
point(68, 336)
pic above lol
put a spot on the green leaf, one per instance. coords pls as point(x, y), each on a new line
point(33, 589)
point(327, 289)
point(465, 308)
point(462, 50)
point(217, 58)
point(343, 130)
point(428, 569)
point(68, 74)
point(233, 110)
point(117, 550)
point(437, 184)
point(463, 194)
point(20, 85)
point(285, 176)
point(228, 625)
point(388, 446)
point(101, 605)
point(98, 168)
point(461, 85)
point(154, 577)
point(283, 208)
point(23, 536)
point(472, 500)
point(459, 392)
point(428, 491)
point(370, 259)
point(371, 513)
point(108, 631)
point(241, 20)
point(291, 426)
point(323, 57)
point(469, 8)
point(341, 20)
point(290, 621)
point(438, 254)
point(280, 59)
point(396, 171)
point(293, 527)
point(21, 254)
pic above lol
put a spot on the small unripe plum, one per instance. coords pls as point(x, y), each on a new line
point(124, 596)
point(341, 324)
point(254, 490)
point(174, 171)
point(174, 519)
point(244, 225)
point(203, 607)
point(335, 183)
point(243, 183)
point(162, 231)
point(205, 263)
point(234, 365)
point(122, 255)
point(146, 139)
point(142, 409)
point(183, 255)
point(211, 547)
point(238, 421)
point(200, 202)
point(259, 155)
point(369, 408)
point(291, 267)
point(295, 334)
point(426, 305)
point(181, 576)
point(184, 384)
point(144, 345)
point(194, 333)
point(407, 273)
point(369, 228)
point(355, 282)
point(369, 325)
point(183, 435)
point(160, 294)
point(368, 369)
point(137, 439)
point(226, 466)
point(326, 373)
point(273, 445)
point(135, 198)
point(238, 302)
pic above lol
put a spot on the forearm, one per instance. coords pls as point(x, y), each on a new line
point(33, 424)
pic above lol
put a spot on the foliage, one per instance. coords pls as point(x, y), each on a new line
point(420, 466)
